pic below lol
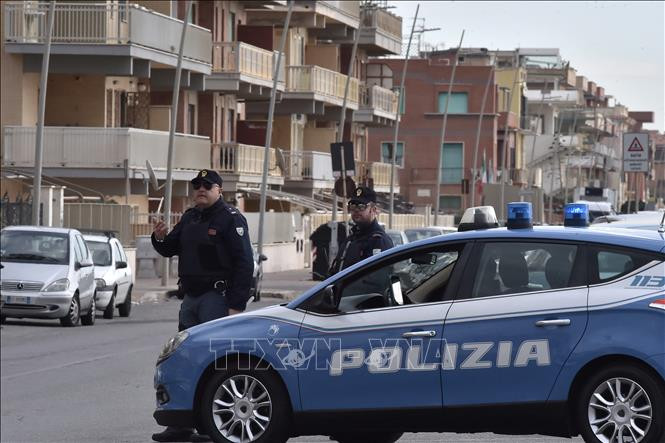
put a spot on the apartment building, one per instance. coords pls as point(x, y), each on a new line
point(421, 111)
point(656, 188)
point(111, 71)
point(110, 89)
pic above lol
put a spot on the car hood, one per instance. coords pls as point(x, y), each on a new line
point(33, 271)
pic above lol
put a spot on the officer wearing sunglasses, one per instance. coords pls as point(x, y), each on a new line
point(367, 236)
point(215, 263)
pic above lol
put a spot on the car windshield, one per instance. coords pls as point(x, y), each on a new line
point(396, 238)
point(101, 252)
point(34, 246)
point(419, 234)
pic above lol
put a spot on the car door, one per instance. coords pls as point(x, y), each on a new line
point(381, 349)
point(86, 272)
point(514, 323)
point(121, 278)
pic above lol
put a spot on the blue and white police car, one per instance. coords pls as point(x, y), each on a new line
point(520, 330)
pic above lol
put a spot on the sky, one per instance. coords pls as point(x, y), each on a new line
point(618, 45)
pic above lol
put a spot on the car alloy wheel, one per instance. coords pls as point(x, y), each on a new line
point(242, 408)
point(620, 410)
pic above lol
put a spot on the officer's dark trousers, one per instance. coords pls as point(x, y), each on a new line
point(205, 307)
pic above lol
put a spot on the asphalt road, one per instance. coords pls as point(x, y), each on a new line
point(94, 384)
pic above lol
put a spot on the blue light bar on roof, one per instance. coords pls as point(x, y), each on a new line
point(519, 215)
point(576, 215)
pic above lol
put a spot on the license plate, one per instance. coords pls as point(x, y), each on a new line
point(18, 300)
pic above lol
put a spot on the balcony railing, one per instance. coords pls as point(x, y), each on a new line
point(318, 80)
point(308, 165)
point(85, 147)
point(351, 9)
point(383, 21)
point(104, 24)
point(379, 172)
point(243, 58)
point(379, 98)
point(238, 158)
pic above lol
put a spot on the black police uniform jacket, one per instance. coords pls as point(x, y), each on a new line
point(363, 242)
point(212, 244)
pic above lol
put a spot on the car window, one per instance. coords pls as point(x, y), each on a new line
point(35, 247)
point(509, 268)
point(84, 249)
point(420, 276)
point(78, 252)
point(396, 238)
point(123, 256)
point(609, 263)
point(116, 253)
point(101, 253)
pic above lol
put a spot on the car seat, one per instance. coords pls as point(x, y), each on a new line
point(513, 272)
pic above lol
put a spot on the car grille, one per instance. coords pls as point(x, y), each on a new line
point(20, 286)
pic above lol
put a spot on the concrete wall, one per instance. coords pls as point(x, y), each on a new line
point(318, 139)
point(76, 100)
point(325, 56)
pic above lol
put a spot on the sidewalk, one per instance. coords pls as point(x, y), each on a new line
point(285, 285)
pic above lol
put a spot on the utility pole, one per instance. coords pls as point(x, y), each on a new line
point(480, 124)
point(39, 136)
point(393, 154)
point(505, 149)
point(169, 158)
point(271, 113)
point(439, 166)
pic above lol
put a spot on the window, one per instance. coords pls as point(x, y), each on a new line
point(419, 277)
point(450, 203)
point(230, 133)
point(512, 268)
point(78, 252)
point(84, 249)
point(116, 253)
point(609, 264)
point(458, 103)
point(387, 152)
point(101, 253)
point(452, 163)
point(191, 117)
point(30, 246)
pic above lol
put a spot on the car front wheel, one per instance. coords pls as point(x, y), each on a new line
point(89, 318)
point(244, 406)
point(73, 313)
point(110, 308)
point(622, 404)
point(126, 307)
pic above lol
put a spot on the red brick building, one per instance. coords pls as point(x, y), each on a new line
point(426, 89)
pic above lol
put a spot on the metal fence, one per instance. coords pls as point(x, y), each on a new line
point(15, 213)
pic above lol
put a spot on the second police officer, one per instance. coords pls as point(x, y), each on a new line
point(367, 236)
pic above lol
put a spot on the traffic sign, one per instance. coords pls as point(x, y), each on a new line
point(635, 146)
point(635, 166)
point(336, 150)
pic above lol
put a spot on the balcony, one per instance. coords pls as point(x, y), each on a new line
point(114, 38)
point(332, 15)
point(244, 70)
point(309, 166)
point(381, 32)
point(244, 163)
point(320, 84)
point(101, 152)
point(378, 106)
point(379, 173)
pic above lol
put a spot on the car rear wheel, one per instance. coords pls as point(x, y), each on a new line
point(89, 318)
point(110, 308)
point(73, 314)
point(244, 406)
point(622, 404)
point(373, 437)
point(126, 307)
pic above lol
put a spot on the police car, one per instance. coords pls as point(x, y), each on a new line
point(520, 330)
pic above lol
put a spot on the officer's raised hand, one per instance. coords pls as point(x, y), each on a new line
point(159, 229)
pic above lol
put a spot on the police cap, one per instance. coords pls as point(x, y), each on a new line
point(363, 194)
point(208, 175)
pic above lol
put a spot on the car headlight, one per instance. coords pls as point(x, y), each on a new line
point(58, 286)
point(171, 345)
point(100, 283)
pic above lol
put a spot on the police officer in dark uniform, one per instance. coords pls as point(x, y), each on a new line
point(367, 236)
point(215, 263)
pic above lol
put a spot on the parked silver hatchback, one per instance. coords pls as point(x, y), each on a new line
point(113, 276)
point(46, 273)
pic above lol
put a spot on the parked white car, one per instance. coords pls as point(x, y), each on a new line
point(47, 273)
point(398, 237)
point(113, 276)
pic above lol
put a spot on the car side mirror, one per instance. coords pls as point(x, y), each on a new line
point(120, 264)
point(331, 298)
point(262, 257)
